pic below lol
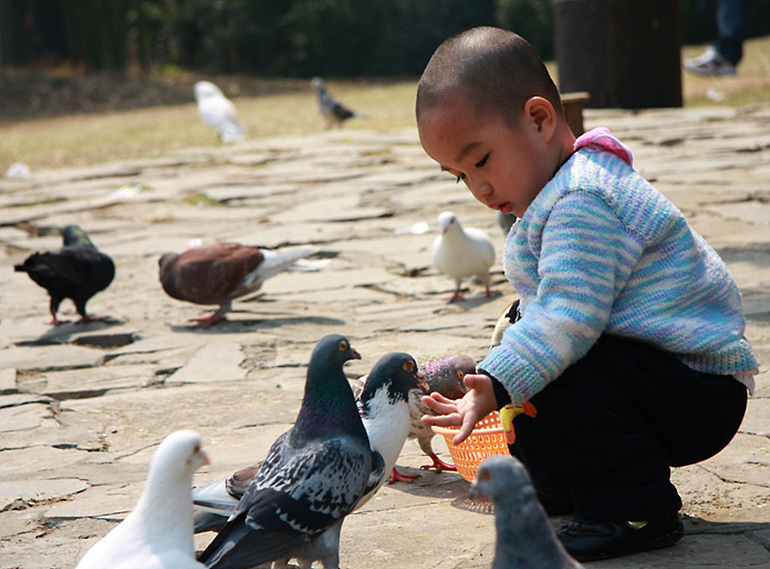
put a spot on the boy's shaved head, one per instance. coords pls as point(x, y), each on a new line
point(495, 69)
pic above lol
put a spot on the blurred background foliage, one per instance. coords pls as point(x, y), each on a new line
point(280, 38)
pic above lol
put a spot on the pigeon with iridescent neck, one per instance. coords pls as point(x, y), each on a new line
point(313, 476)
point(384, 410)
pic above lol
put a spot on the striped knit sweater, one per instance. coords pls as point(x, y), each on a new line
point(599, 250)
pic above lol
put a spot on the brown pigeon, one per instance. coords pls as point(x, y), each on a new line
point(217, 274)
point(444, 375)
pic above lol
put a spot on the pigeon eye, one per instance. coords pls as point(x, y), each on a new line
point(343, 345)
point(409, 366)
point(484, 474)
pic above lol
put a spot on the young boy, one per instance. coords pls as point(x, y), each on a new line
point(629, 341)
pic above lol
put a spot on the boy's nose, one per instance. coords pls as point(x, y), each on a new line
point(481, 190)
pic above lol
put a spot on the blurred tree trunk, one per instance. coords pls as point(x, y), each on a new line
point(624, 53)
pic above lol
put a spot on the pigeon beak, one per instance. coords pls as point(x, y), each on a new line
point(206, 459)
point(354, 352)
point(423, 384)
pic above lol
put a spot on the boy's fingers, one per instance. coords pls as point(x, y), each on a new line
point(451, 420)
point(439, 403)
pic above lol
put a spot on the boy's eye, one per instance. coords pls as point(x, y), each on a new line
point(460, 178)
point(483, 161)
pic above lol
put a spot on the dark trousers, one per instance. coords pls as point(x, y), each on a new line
point(609, 429)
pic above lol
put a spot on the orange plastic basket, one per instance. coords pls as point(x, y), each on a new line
point(485, 440)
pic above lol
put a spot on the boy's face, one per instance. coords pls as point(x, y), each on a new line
point(503, 165)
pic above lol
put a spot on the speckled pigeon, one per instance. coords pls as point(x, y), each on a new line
point(525, 540)
point(461, 253)
point(444, 375)
point(218, 112)
point(314, 475)
point(220, 273)
point(78, 271)
point(334, 113)
point(383, 406)
point(158, 533)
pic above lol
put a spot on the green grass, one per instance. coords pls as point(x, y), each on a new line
point(87, 138)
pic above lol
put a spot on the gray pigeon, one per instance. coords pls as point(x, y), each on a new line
point(78, 271)
point(220, 273)
point(383, 406)
point(314, 475)
point(158, 533)
point(334, 112)
point(218, 112)
point(444, 375)
point(525, 540)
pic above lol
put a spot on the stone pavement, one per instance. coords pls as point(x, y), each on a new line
point(82, 407)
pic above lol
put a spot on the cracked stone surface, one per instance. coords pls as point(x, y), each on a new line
point(83, 407)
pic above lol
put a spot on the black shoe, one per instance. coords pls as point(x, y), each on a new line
point(590, 540)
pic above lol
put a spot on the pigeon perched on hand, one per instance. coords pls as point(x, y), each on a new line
point(314, 475)
point(462, 253)
point(218, 112)
point(158, 533)
point(444, 375)
point(525, 540)
point(78, 271)
point(220, 273)
point(334, 113)
point(383, 407)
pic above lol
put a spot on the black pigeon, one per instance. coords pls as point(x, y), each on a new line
point(314, 475)
point(78, 271)
point(334, 112)
point(525, 540)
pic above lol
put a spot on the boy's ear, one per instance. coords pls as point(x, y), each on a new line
point(539, 112)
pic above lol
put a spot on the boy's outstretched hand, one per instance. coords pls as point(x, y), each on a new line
point(476, 404)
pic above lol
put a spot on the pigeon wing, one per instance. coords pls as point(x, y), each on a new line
point(210, 275)
point(297, 494)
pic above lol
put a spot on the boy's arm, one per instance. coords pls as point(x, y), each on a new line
point(582, 260)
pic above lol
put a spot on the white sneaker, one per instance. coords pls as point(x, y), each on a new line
point(710, 63)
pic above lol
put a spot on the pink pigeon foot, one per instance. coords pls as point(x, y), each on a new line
point(439, 464)
point(457, 295)
point(206, 321)
point(395, 476)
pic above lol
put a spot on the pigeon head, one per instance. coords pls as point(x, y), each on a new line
point(502, 476)
point(205, 89)
point(73, 235)
point(328, 402)
point(317, 83)
point(446, 375)
point(446, 221)
point(396, 371)
point(180, 454)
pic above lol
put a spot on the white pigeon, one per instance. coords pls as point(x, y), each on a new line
point(218, 112)
point(158, 533)
point(462, 253)
point(525, 540)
